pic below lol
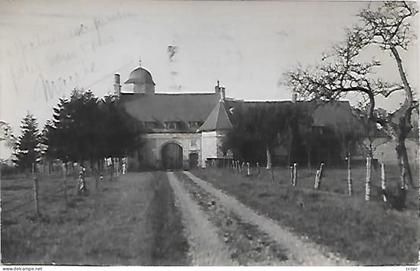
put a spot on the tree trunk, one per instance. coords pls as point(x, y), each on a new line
point(407, 164)
point(349, 180)
point(368, 178)
point(383, 182)
point(268, 153)
point(403, 183)
point(405, 119)
point(405, 171)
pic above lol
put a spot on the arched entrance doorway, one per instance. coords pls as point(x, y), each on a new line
point(172, 156)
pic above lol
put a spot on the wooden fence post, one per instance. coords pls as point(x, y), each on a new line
point(368, 177)
point(383, 182)
point(317, 179)
point(349, 180)
point(119, 166)
point(124, 168)
point(35, 190)
point(321, 171)
point(294, 174)
point(82, 187)
point(318, 176)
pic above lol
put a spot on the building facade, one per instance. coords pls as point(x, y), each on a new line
point(182, 130)
point(186, 130)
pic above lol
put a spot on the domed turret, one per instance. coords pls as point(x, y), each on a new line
point(142, 81)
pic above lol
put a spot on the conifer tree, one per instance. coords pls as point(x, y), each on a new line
point(27, 150)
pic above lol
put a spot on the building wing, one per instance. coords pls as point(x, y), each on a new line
point(187, 109)
point(217, 120)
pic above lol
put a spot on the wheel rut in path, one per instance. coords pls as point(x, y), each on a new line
point(246, 243)
point(301, 252)
point(205, 246)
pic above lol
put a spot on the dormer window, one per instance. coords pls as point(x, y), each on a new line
point(171, 125)
point(195, 124)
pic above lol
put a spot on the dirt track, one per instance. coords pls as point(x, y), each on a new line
point(209, 237)
point(205, 246)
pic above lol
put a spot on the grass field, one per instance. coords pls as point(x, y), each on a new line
point(131, 220)
point(366, 232)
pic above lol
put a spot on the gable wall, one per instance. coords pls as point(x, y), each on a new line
point(211, 143)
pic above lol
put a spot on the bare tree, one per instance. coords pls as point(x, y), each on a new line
point(7, 135)
point(387, 27)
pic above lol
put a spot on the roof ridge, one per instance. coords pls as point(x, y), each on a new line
point(218, 119)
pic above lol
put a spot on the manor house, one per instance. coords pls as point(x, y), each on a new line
point(186, 130)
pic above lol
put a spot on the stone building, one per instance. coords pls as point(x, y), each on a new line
point(186, 130)
point(183, 130)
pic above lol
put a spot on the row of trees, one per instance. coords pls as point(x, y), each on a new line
point(257, 130)
point(383, 27)
point(84, 128)
point(260, 130)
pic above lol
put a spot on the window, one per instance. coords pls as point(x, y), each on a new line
point(170, 125)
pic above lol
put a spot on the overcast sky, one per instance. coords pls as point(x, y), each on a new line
point(50, 47)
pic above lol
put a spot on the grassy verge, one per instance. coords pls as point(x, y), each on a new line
point(366, 232)
point(114, 225)
point(170, 247)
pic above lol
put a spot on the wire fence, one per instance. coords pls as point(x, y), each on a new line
point(20, 199)
point(372, 183)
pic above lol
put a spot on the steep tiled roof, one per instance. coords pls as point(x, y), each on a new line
point(170, 107)
point(217, 120)
point(205, 107)
point(324, 114)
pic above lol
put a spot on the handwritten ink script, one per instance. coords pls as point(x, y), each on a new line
point(46, 61)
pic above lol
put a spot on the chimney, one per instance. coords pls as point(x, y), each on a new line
point(220, 90)
point(117, 85)
point(294, 97)
point(222, 93)
point(217, 87)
